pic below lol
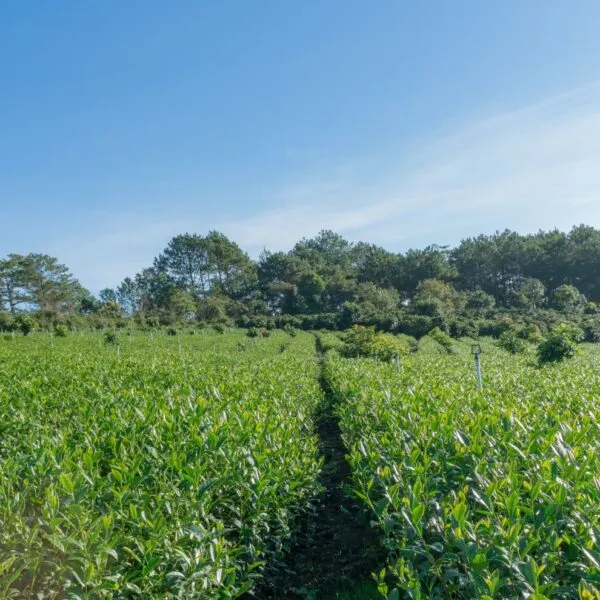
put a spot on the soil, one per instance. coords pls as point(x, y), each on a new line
point(336, 548)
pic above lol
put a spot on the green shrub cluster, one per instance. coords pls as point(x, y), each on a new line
point(510, 341)
point(443, 339)
point(365, 341)
point(559, 344)
point(61, 330)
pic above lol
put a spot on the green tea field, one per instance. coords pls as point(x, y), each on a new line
point(217, 465)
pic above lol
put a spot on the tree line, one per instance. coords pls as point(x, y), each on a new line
point(328, 282)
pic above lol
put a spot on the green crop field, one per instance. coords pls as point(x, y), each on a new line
point(192, 466)
point(158, 468)
point(492, 494)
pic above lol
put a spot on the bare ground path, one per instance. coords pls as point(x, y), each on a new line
point(336, 550)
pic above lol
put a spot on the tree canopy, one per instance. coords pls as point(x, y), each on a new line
point(328, 281)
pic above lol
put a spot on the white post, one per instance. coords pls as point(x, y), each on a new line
point(478, 372)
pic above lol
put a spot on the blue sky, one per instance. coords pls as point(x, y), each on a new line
point(401, 123)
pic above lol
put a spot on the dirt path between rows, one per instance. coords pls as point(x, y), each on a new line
point(336, 549)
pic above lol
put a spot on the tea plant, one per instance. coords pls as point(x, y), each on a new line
point(164, 471)
point(491, 494)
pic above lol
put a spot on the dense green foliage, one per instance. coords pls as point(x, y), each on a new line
point(365, 341)
point(326, 282)
point(559, 344)
point(159, 467)
point(491, 494)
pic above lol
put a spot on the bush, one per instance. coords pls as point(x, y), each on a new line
point(530, 332)
point(365, 341)
point(255, 332)
point(111, 337)
point(408, 341)
point(559, 344)
point(591, 330)
point(573, 332)
point(442, 338)
point(219, 328)
point(416, 325)
point(463, 328)
point(7, 321)
point(291, 331)
point(505, 323)
point(284, 320)
point(327, 321)
point(24, 323)
point(171, 331)
point(327, 341)
point(61, 330)
point(510, 341)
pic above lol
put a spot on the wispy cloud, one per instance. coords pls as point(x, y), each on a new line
point(530, 168)
point(534, 167)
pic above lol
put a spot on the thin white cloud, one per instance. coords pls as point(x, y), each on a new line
point(526, 169)
point(535, 167)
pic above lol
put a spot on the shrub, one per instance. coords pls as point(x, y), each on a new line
point(559, 344)
point(292, 320)
point(415, 325)
point(463, 328)
point(408, 341)
point(7, 321)
point(24, 323)
point(327, 341)
point(442, 338)
point(255, 332)
point(319, 321)
point(505, 323)
point(365, 341)
point(219, 328)
point(61, 330)
point(290, 330)
point(171, 331)
point(510, 341)
point(591, 330)
point(111, 337)
point(530, 332)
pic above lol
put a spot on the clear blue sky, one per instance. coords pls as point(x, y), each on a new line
point(399, 122)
